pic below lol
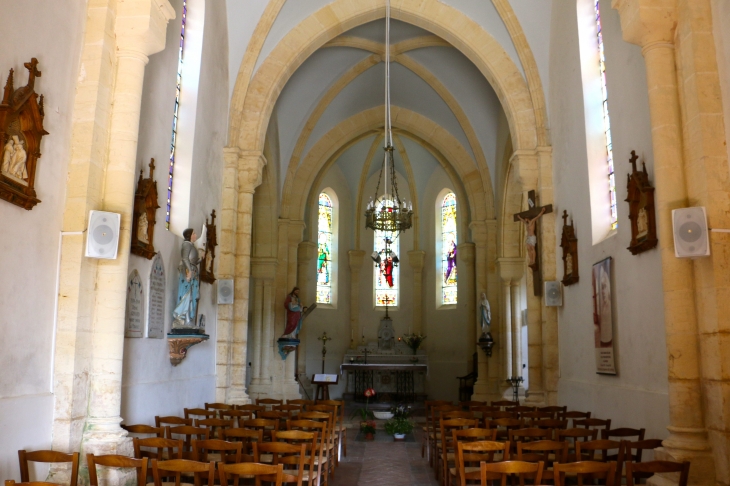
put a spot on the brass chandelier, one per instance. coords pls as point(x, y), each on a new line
point(387, 211)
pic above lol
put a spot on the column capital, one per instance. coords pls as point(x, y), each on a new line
point(416, 259)
point(264, 267)
point(647, 22)
point(250, 171)
point(356, 259)
point(466, 252)
point(141, 26)
point(479, 230)
point(511, 269)
point(231, 155)
point(296, 231)
point(307, 251)
point(526, 166)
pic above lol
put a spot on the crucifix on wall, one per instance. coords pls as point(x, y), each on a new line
point(531, 218)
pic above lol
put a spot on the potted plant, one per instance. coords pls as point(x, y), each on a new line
point(414, 341)
point(400, 424)
point(367, 424)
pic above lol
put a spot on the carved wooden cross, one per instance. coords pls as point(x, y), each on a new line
point(531, 219)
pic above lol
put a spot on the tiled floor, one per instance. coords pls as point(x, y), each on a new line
point(383, 463)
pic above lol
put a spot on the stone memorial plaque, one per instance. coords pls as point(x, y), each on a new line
point(133, 324)
point(156, 304)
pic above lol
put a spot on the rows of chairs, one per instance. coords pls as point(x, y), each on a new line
point(475, 442)
point(297, 442)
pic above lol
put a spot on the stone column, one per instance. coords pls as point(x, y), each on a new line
point(267, 339)
point(536, 391)
point(356, 258)
point(516, 328)
point(506, 326)
point(263, 271)
point(140, 31)
point(416, 258)
point(250, 170)
point(257, 321)
point(466, 257)
point(652, 26)
point(484, 236)
point(510, 271)
point(306, 253)
point(290, 387)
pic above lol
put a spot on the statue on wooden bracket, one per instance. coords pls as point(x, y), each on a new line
point(185, 313)
point(207, 274)
point(21, 131)
point(531, 219)
point(144, 217)
point(569, 244)
point(641, 209)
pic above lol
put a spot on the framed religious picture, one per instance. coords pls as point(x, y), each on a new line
point(206, 263)
point(569, 244)
point(603, 318)
point(144, 216)
point(640, 196)
point(21, 131)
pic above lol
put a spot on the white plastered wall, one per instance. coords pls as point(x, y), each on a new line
point(637, 396)
point(30, 243)
point(721, 31)
point(151, 385)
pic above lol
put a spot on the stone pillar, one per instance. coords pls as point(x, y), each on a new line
point(250, 171)
point(484, 236)
point(257, 321)
point(306, 253)
point(263, 271)
point(466, 258)
point(516, 328)
point(511, 271)
point(416, 258)
point(267, 339)
point(356, 258)
point(506, 326)
point(140, 31)
point(652, 26)
point(536, 391)
point(290, 387)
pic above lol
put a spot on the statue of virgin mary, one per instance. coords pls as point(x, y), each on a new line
point(188, 292)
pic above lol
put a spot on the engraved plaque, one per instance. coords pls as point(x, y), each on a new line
point(156, 305)
point(135, 305)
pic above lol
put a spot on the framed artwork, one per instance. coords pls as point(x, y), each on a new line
point(640, 196)
point(569, 244)
point(207, 274)
point(21, 130)
point(603, 318)
point(144, 216)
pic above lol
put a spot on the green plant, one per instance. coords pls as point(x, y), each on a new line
point(414, 341)
point(364, 413)
point(398, 426)
point(367, 427)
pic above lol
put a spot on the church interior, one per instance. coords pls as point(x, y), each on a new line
point(510, 210)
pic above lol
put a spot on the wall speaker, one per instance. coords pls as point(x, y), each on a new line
point(102, 239)
point(553, 294)
point(225, 291)
point(691, 238)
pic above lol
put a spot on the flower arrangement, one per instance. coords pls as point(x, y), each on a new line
point(414, 341)
point(367, 424)
point(400, 424)
point(367, 427)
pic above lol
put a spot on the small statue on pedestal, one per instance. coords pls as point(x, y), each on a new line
point(184, 316)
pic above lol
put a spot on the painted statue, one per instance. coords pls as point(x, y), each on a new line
point(188, 291)
point(388, 271)
point(14, 159)
point(485, 315)
point(531, 240)
point(294, 311)
point(450, 260)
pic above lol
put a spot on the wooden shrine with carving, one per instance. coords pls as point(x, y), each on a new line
point(21, 131)
point(569, 244)
point(641, 209)
point(144, 216)
point(211, 241)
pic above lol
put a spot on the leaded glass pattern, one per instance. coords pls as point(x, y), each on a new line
point(173, 140)
point(324, 250)
point(449, 242)
point(386, 273)
point(606, 118)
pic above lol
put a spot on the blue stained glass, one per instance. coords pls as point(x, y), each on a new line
point(449, 242)
point(324, 250)
point(178, 88)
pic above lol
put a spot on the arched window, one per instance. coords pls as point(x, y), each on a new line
point(448, 241)
point(386, 275)
point(599, 143)
point(325, 229)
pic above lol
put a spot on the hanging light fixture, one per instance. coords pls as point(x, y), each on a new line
point(387, 212)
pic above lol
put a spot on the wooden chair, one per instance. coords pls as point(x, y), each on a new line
point(327, 439)
point(587, 451)
point(574, 415)
point(252, 469)
point(313, 453)
point(549, 424)
point(292, 457)
point(500, 470)
point(266, 426)
point(247, 438)
point(502, 415)
point(622, 433)
point(627, 453)
point(300, 401)
point(293, 408)
point(11, 482)
point(554, 409)
point(144, 430)
point(322, 460)
point(467, 404)
point(176, 467)
point(218, 406)
point(520, 409)
point(251, 408)
point(527, 435)
point(429, 430)
point(504, 425)
point(187, 433)
point(195, 413)
point(593, 423)
point(238, 416)
point(340, 427)
point(585, 470)
point(164, 448)
point(469, 456)
point(530, 416)
point(504, 403)
point(447, 446)
point(645, 469)
point(222, 451)
point(333, 410)
point(172, 420)
point(434, 437)
point(48, 457)
point(215, 425)
point(268, 402)
point(572, 436)
point(117, 461)
point(547, 451)
point(468, 436)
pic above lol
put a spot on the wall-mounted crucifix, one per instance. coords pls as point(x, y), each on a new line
point(531, 219)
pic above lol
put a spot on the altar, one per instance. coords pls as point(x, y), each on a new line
point(395, 376)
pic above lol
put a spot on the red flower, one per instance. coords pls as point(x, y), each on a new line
point(369, 392)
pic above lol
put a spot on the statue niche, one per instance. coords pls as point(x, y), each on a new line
point(21, 130)
point(144, 217)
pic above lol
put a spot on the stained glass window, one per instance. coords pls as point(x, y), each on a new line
point(606, 119)
point(324, 250)
point(386, 275)
point(176, 111)
point(448, 249)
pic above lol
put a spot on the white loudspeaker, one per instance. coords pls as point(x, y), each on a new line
point(102, 239)
point(225, 291)
point(691, 238)
point(553, 294)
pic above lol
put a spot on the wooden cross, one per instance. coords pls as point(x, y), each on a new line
point(531, 219)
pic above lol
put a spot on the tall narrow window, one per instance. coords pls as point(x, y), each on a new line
point(448, 250)
point(176, 111)
point(386, 275)
point(606, 119)
point(324, 250)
